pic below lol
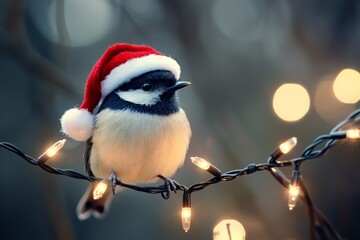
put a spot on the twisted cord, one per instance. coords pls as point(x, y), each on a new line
point(321, 145)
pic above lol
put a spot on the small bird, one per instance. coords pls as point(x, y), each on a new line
point(139, 132)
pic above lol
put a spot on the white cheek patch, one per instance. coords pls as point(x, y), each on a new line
point(140, 97)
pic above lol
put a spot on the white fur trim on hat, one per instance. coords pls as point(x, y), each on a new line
point(135, 67)
point(77, 124)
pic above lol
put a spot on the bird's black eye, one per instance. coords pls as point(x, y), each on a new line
point(146, 87)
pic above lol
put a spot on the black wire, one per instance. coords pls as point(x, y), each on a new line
point(325, 222)
point(310, 152)
point(311, 211)
point(17, 151)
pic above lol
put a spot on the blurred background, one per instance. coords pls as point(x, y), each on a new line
point(237, 54)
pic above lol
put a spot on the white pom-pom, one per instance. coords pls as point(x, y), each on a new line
point(77, 124)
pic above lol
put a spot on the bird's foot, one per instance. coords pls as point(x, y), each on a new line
point(170, 185)
point(113, 180)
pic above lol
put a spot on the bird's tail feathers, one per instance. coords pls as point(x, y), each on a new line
point(88, 206)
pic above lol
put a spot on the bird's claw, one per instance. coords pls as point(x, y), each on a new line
point(170, 185)
point(113, 180)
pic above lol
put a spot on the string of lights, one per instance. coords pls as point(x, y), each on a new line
point(320, 227)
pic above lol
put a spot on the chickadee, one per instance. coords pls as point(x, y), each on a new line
point(139, 132)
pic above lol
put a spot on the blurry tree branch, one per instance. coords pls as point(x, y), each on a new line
point(139, 30)
point(16, 44)
point(338, 23)
point(187, 27)
point(60, 22)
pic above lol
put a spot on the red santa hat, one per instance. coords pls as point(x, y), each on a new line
point(119, 64)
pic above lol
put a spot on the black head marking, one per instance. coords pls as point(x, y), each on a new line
point(149, 82)
point(157, 80)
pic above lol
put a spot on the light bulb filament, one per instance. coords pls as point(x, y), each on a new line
point(294, 192)
point(283, 148)
point(288, 145)
point(100, 190)
point(51, 151)
point(205, 165)
point(353, 134)
point(200, 162)
point(186, 218)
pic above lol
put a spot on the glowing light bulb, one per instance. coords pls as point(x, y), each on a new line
point(294, 192)
point(200, 162)
point(51, 151)
point(100, 189)
point(186, 218)
point(288, 145)
point(283, 148)
point(205, 165)
point(229, 229)
point(353, 134)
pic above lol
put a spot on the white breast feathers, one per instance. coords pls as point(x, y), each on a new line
point(139, 146)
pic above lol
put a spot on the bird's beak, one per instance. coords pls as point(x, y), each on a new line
point(178, 85)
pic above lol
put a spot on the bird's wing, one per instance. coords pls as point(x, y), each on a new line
point(87, 154)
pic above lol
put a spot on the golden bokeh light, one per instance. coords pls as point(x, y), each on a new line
point(347, 86)
point(229, 229)
point(291, 102)
point(327, 105)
